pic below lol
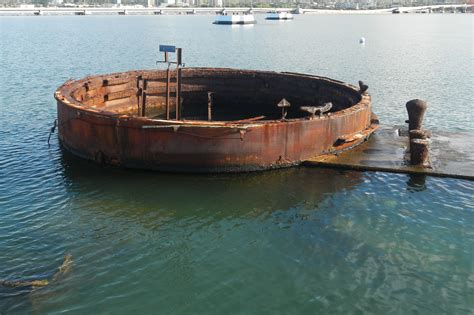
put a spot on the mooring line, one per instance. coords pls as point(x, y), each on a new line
point(51, 131)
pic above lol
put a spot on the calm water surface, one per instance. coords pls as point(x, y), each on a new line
point(290, 241)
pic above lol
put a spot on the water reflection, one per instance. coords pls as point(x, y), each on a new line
point(218, 195)
point(416, 182)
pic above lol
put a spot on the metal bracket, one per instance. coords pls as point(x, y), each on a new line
point(167, 49)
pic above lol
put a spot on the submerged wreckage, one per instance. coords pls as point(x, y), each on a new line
point(210, 119)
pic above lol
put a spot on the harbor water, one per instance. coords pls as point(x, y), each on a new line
point(298, 240)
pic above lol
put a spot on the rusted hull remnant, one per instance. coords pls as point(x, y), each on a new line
point(99, 120)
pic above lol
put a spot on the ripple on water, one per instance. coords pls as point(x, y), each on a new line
point(288, 241)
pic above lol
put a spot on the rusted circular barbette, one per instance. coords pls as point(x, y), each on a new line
point(210, 120)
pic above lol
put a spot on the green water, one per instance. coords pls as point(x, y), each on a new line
point(300, 240)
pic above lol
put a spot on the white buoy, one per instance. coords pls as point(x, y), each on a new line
point(362, 40)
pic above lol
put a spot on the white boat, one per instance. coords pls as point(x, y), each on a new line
point(279, 16)
point(235, 19)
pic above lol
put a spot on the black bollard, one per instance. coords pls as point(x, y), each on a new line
point(419, 134)
point(419, 152)
point(416, 110)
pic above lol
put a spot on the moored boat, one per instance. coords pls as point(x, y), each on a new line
point(279, 16)
point(238, 19)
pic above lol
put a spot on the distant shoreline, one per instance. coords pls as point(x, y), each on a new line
point(140, 10)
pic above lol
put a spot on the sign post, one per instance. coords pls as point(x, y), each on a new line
point(167, 49)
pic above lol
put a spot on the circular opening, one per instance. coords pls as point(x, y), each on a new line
point(225, 94)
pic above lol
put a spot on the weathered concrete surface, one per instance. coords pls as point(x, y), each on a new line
point(451, 155)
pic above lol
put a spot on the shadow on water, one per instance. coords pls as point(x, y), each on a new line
point(218, 195)
point(416, 182)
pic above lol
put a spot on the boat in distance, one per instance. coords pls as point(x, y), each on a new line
point(235, 19)
point(214, 120)
point(279, 16)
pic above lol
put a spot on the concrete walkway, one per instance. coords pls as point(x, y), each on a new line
point(451, 155)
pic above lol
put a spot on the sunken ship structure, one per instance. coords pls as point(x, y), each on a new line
point(210, 119)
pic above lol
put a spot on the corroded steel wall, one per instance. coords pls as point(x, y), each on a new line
point(201, 146)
